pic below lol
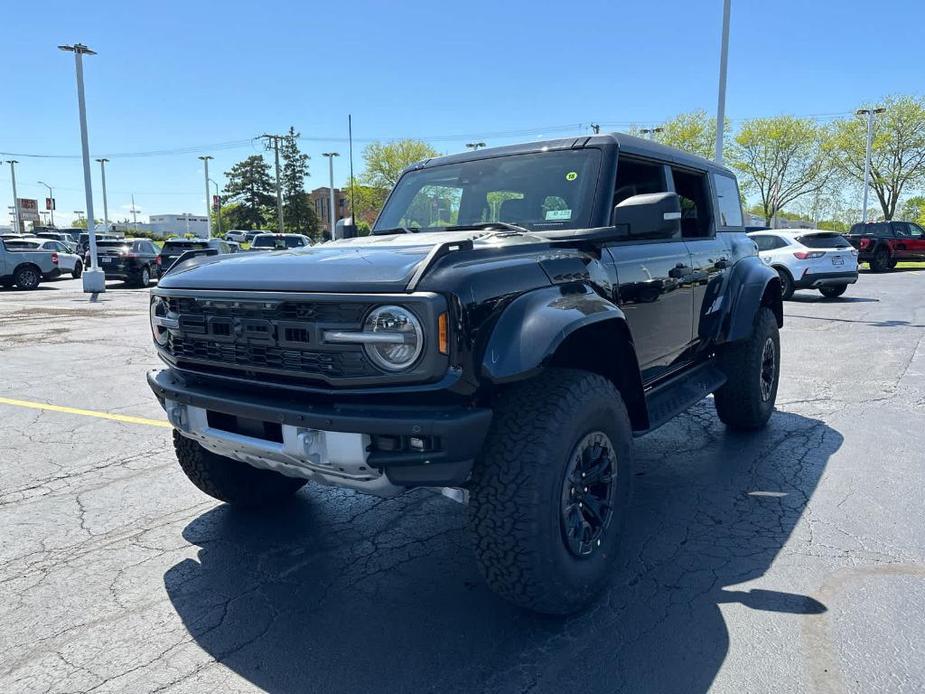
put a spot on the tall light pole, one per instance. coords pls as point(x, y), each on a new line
point(869, 112)
point(205, 163)
point(332, 221)
point(51, 198)
point(13, 163)
point(94, 280)
point(475, 146)
point(218, 210)
point(721, 101)
point(105, 201)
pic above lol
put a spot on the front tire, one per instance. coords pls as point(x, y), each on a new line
point(548, 496)
point(786, 283)
point(78, 270)
point(752, 369)
point(833, 291)
point(27, 277)
point(229, 480)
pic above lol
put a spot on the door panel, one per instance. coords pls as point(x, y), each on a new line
point(656, 295)
point(710, 260)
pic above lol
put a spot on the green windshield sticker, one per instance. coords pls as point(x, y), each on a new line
point(571, 176)
point(558, 214)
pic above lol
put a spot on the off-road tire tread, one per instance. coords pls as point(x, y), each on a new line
point(875, 262)
point(738, 403)
point(506, 486)
point(229, 480)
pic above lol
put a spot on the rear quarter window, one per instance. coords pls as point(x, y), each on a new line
point(728, 200)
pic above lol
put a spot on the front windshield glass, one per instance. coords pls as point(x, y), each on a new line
point(545, 191)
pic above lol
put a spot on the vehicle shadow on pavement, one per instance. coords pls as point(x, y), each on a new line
point(339, 592)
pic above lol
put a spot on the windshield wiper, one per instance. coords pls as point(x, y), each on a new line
point(396, 230)
point(489, 225)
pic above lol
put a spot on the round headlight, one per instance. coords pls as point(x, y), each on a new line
point(399, 340)
point(158, 311)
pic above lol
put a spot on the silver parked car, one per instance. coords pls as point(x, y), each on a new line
point(68, 260)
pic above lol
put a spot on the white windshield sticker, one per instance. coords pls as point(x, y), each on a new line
point(558, 214)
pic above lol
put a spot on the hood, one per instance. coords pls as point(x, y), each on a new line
point(366, 264)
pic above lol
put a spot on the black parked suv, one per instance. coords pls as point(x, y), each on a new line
point(883, 244)
point(131, 260)
point(517, 317)
point(172, 249)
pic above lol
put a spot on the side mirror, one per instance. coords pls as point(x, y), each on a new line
point(651, 215)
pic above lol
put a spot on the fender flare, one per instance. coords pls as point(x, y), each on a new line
point(751, 285)
point(533, 326)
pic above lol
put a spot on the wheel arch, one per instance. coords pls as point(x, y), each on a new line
point(751, 286)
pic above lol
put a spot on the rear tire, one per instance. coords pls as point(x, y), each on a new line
point(833, 291)
point(27, 277)
point(752, 369)
point(229, 480)
point(786, 283)
point(544, 540)
point(880, 262)
point(78, 270)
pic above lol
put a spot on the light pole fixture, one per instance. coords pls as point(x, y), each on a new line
point(721, 97)
point(474, 146)
point(51, 200)
point(651, 132)
point(331, 220)
point(105, 201)
point(869, 112)
point(19, 226)
point(94, 280)
point(205, 161)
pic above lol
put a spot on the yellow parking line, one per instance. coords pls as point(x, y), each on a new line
point(86, 413)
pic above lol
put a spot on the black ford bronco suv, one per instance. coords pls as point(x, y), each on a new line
point(517, 316)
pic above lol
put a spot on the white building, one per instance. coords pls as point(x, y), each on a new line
point(186, 223)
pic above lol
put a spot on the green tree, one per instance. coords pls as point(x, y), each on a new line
point(385, 162)
point(913, 210)
point(693, 132)
point(298, 212)
point(368, 200)
point(250, 188)
point(781, 159)
point(897, 150)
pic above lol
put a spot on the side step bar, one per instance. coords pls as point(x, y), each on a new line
point(677, 394)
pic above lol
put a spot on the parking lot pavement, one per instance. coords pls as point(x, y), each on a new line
point(792, 560)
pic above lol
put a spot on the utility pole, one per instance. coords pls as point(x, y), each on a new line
point(51, 198)
point(94, 280)
point(596, 128)
point(279, 193)
point(475, 146)
point(331, 214)
point(721, 102)
point(105, 201)
point(869, 112)
point(353, 211)
point(650, 132)
point(218, 209)
point(134, 217)
point(19, 227)
point(205, 162)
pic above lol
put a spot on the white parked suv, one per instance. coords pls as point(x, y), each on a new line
point(808, 259)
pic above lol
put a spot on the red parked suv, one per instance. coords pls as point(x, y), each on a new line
point(883, 244)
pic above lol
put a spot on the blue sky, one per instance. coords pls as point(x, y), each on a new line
point(189, 74)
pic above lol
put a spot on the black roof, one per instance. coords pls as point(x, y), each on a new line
point(628, 144)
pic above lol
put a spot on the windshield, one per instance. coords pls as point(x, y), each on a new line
point(277, 242)
point(832, 240)
point(184, 245)
point(542, 191)
point(22, 245)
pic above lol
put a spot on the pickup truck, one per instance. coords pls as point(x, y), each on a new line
point(517, 316)
point(26, 269)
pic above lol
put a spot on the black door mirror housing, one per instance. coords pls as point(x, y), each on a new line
point(650, 215)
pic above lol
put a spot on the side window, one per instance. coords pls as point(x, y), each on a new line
point(730, 205)
point(916, 231)
point(900, 229)
point(696, 206)
point(636, 177)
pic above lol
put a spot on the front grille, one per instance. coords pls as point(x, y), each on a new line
point(262, 339)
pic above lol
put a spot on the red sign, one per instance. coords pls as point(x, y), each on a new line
point(28, 209)
point(216, 203)
point(50, 204)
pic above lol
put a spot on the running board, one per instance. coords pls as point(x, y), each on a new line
point(669, 399)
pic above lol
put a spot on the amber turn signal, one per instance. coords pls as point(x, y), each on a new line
point(442, 339)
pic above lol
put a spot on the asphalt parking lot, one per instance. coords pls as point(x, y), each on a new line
point(788, 561)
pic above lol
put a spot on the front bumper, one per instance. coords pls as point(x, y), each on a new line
point(457, 433)
point(814, 280)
